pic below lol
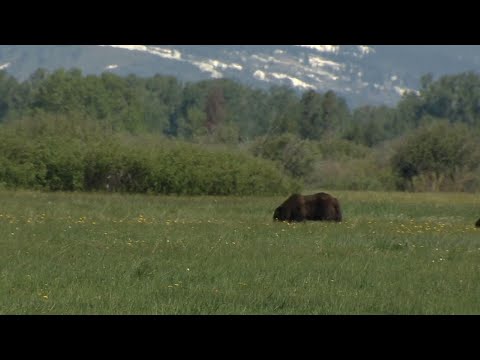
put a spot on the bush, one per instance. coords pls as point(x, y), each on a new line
point(352, 174)
point(125, 163)
point(294, 155)
point(196, 170)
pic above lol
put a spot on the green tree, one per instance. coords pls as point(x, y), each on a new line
point(439, 151)
point(192, 124)
point(215, 109)
point(408, 113)
point(163, 98)
point(336, 113)
point(285, 110)
point(8, 87)
point(371, 125)
point(322, 115)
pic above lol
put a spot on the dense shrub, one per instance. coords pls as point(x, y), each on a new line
point(352, 174)
point(126, 163)
point(294, 155)
point(189, 169)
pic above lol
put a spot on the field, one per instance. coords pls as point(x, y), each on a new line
point(395, 253)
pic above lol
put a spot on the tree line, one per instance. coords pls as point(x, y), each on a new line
point(428, 141)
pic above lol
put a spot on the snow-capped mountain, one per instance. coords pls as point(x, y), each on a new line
point(374, 74)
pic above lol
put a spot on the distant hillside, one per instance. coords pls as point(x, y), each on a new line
point(376, 74)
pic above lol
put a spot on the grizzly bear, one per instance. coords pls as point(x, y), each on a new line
point(477, 224)
point(321, 206)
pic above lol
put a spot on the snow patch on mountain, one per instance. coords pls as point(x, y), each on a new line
point(263, 59)
point(323, 48)
point(208, 67)
point(317, 61)
point(260, 75)
point(219, 64)
point(154, 50)
point(295, 82)
point(365, 50)
point(320, 75)
point(403, 90)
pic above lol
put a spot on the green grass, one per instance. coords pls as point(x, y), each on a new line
point(395, 253)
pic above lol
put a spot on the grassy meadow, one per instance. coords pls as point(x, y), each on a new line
point(395, 253)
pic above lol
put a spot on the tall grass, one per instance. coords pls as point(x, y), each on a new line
point(395, 253)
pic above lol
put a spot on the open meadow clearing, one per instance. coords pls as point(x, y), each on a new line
point(394, 253)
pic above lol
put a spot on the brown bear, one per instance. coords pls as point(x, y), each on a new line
point(477, 224)
point(321, 206)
